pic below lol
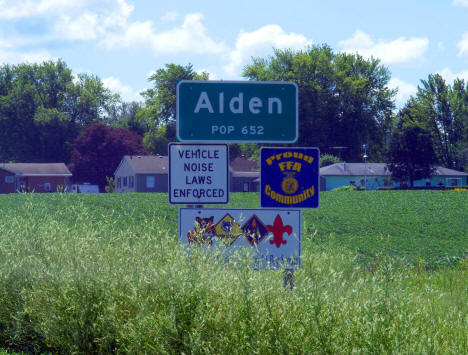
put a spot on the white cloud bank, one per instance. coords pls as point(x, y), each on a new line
point(125, 91)
point(460, 2)
point(400, 50)
point(405, 91)
point(463, 45)
point(450, 76)
point(16, 9)
point(259, 42)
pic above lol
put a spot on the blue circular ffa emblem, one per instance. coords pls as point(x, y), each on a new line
point(289, 177)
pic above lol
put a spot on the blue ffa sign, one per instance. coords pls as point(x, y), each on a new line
point(235, 111)
point(289, 177)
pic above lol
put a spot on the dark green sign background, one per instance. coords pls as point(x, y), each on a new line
point(238, 111)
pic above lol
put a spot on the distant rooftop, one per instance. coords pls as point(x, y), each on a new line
point(375, 169)
point(148, 164)
point(37, 169)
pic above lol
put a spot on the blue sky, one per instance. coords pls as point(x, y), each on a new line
point(123, 41)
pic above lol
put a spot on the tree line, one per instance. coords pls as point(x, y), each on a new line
point(46, 113)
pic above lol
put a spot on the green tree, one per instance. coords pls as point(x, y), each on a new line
point(42, 110)
point(126, 117)
point(344, 100)
point(160, 103)
point(329, 159)
point(98, 151)
point(443, 110)
point(411, 153)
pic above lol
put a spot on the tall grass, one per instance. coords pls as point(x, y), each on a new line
point(105, 274)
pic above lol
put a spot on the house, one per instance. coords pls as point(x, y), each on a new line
point(150, 173)
point(34, 177)
point(244, 175)
point(374, 175)
point(142, 173)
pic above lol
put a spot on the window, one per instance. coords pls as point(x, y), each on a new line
point(47, 187)
point(453, 181)
point(125, 181)
point(130, 181)
point(9, 179)
point(119, 182)
point(246, 187)
point(150, 182)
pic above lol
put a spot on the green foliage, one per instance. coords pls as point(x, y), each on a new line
point(329, 159)
point(105, 274)
point(110, 186)
point(126, 117)
point(443, 110)
point(346, 188)
point(344, 100)
point(42, 110)
point(412, 155)
point(98, 151)
point(159, 110)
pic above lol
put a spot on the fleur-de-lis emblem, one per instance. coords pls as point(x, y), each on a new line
point(278, 229)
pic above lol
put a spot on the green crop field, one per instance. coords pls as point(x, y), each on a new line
point(382, 272)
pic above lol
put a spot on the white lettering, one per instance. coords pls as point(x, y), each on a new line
point(239, 100)
point(254, 103)
point(271, 101)
point(221, 102)
point(203, 102)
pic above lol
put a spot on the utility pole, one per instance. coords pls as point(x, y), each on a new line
point(364, 147)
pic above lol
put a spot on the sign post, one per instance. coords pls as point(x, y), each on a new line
point(237, 111)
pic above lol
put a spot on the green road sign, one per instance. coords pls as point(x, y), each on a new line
point(237, 111)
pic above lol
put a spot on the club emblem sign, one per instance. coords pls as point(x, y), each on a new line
point(272, 235)
point(289, 177)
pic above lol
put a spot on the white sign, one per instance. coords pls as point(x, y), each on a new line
point(198, 174)
point(273, 235)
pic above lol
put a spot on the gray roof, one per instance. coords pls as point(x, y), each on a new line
point(148, 164)
point(37, 169)
point(374, 169)
point(441, 171)
point(246, 174)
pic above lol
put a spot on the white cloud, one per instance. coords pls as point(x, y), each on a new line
point(259, 42)
point(125, 91)
point(190, 37)
point(405, 90)
point(463, 45)
point(211, 74)
point(16, 57)
point(450, 76)
point(460, 2)
point(400, 50)
point(170, 16)
point(92, 25)
point(13, 9)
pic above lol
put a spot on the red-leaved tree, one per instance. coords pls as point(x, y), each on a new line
point(98, 151)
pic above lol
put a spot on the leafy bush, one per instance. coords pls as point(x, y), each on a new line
point(346, 188)
point(329, 159)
